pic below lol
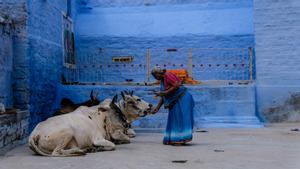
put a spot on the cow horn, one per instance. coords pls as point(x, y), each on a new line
point(126, 92)
point(131, 93)
point(123, 96)
point(113, 101)
point(115, 98)
point(92, 94)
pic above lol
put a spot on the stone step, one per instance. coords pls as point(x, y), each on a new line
point(224, 108)
point(228, 122)
point(230, 125)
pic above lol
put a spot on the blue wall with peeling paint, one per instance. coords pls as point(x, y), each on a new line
point(45, 54)
point(277, 48)
point(6, 64)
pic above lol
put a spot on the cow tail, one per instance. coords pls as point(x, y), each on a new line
point(33, 145)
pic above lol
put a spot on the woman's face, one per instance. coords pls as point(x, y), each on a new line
point(158, 76)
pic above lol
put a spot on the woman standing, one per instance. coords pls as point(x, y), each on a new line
point(180, 103)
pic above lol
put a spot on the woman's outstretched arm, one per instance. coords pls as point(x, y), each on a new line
point(158, 106)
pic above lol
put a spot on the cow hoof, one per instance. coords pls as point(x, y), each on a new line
point(131, 135)
point(122, 142)
point(103, 148)
point(79, 153)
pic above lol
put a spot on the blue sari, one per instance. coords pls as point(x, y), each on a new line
point(181, 117)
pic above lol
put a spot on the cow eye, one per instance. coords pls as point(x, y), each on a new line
point(130, 102)
point(138, 100)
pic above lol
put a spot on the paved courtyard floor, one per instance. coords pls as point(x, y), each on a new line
point(272, 147)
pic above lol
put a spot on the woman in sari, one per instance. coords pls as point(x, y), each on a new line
point(175, 97)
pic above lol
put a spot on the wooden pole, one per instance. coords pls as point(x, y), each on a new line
point(250, 64)
point(190, 63)
point(148, 64)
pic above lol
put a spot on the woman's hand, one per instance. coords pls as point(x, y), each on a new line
point(160, 93)
point(155, 111)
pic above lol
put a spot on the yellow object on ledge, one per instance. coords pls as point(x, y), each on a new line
point(183, 75)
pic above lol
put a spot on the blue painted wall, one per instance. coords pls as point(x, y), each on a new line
point(32, 58)
point(131, 3)
point(158, 25)
point(15, 85)
point(45, 54)
point(167, 20)
point(6, 66)
point(96, 53)
point(277, 41)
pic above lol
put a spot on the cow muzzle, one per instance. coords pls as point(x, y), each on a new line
point(148, 111)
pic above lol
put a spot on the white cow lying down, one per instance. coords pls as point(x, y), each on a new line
point(72, 134)
point(88, 128)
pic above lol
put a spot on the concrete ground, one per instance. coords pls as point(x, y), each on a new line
point(272, 147)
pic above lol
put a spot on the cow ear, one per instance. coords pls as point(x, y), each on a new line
point(102, 109)
point(123, 95)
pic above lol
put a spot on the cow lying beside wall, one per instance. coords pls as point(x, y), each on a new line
point(88, 129)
